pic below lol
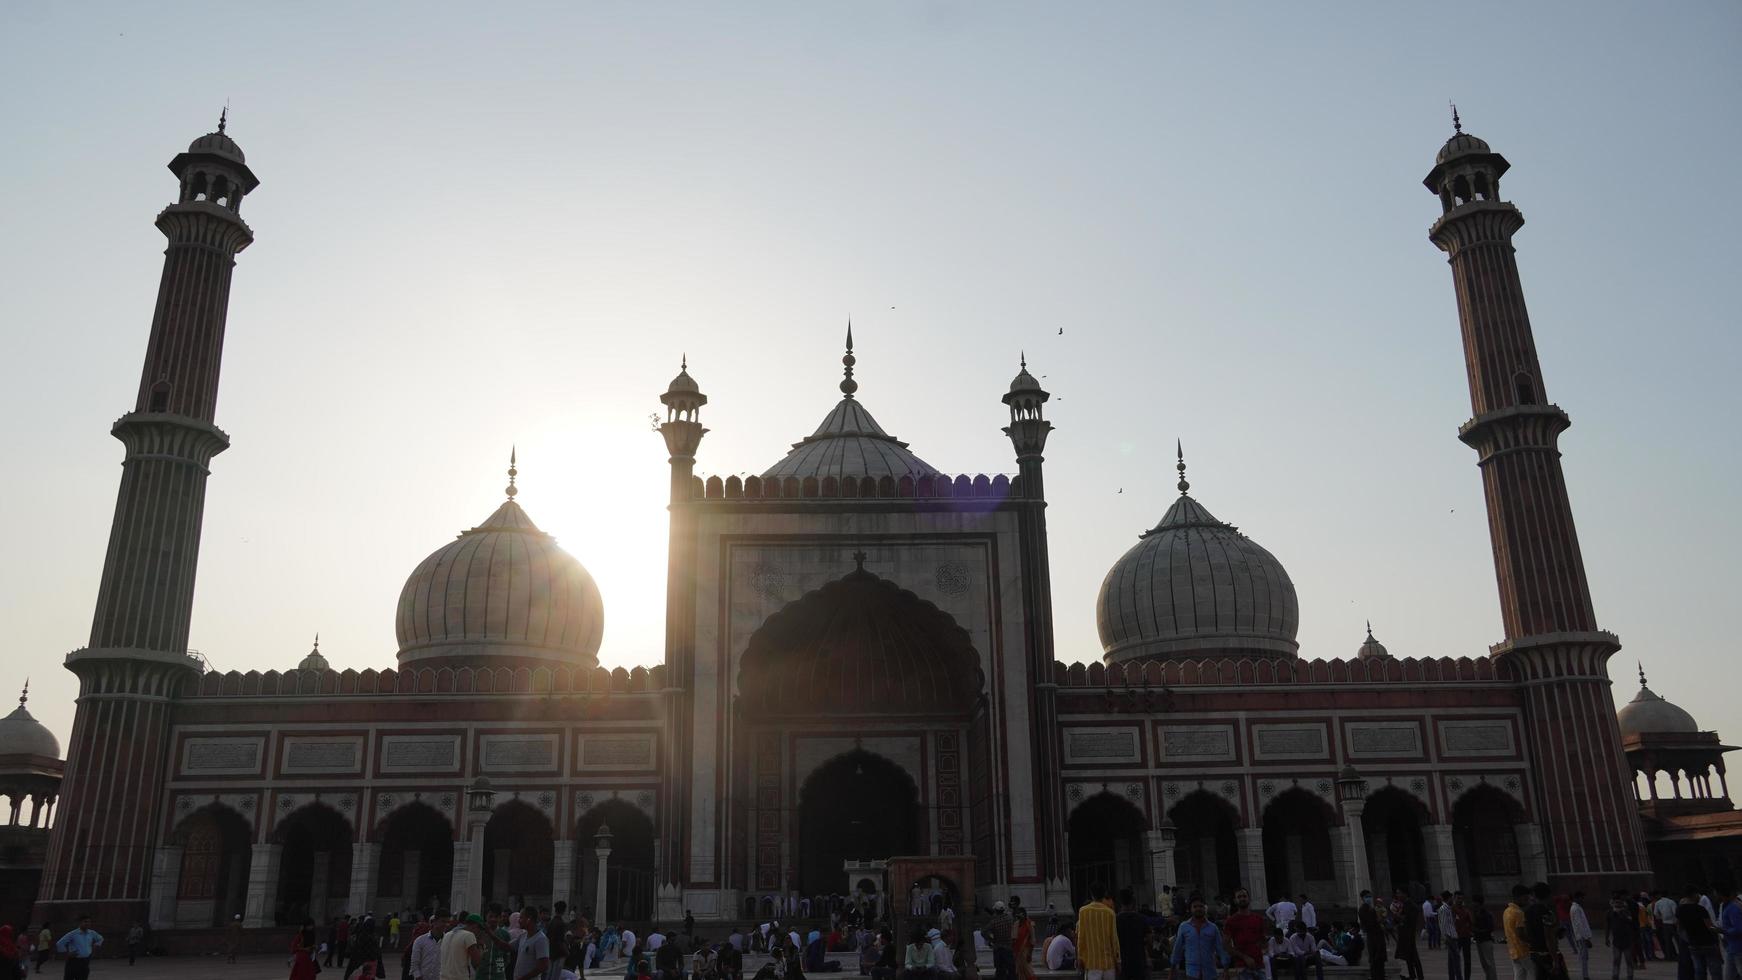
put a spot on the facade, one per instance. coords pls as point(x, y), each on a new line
point(859, 672)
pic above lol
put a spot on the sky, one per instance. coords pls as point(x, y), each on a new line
point(502, 225)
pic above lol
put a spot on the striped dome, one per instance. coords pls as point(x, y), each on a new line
point(849, 442)
point(501, 590)
point(1196, 587)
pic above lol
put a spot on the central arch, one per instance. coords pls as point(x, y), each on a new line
point(855, 807)
point(1299, 856)
point(314, 879)
point(1206, 857)
point(518, 854)
point(417, 857)
point(1106, 845)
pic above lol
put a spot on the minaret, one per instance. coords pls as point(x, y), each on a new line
point(1583, 798)
point(1028, 430)
point(100, 856)
point(682, 431)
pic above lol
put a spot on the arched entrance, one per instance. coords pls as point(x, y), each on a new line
point(1206, 858)
point(1298, 855)
point(1107, 846)
point(214, 867)
point(417, 858)
point(314, 876)
point(863, 662)
point(855, 807)
point(1485, 838)
point(518, 853)
point(629, 877)
point(1396, 853)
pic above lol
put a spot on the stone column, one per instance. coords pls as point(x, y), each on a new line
point(1532, 859)
point(1251, 840)
point(317, 885)
point(1160, 864)
point(364, 868)
point(1355, 845)
point(1295, 847)
point(1379, 847)
point(599, 908)
point(468, 887)
point(562, 870)
point(1442, 856)
point(165, 882)
point(262, 886)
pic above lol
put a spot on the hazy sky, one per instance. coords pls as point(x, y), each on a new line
point(490, 224)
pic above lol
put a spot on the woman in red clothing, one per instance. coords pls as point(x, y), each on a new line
point(1022, 945)
point(303, 947)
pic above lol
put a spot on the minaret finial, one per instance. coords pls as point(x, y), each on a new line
point(859, 560)
point(848, 385)
point(513, 452)
point(25, 695)
point(1370, 629)
point(224, 116)
point(1025, 360)
point(684, 364)
point(1180, 449)
point(1457, 124)
point(1641, 665)
point(317, 643)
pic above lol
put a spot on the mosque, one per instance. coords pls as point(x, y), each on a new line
point(858, 688)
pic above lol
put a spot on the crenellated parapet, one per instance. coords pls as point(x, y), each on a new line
point(995, 487)
point(1246, 671)
point(428, 680)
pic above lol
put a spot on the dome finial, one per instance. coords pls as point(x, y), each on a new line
point(25, 695)
point(684, 362)
point(317, 648)
point(1457, 124)
point(224, 116)
point(1179, 448)
point(513, 452)
point(1024, 360)
point(848, 385)
point(1370, 629)
point(1641, 665)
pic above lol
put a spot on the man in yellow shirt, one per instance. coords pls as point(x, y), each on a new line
point(1097, 941)
point(1517, 945)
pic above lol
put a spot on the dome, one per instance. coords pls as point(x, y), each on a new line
point(1461, 144)
point(22, 734)
point(218, 144)
point(683, 383)
point(849, 442)
point(501, 590)
point(1649, 714)
point(1370, 647)
point(1194, 587)
point(314, 660)
point(1024, 382)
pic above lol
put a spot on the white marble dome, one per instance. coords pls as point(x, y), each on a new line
point(22, 734)
point(501, 591)
point(1649, 714)
point(1196, 587)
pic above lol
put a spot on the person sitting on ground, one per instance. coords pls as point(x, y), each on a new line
point(917, 965)
point(943, 955)
point(1303, 949)
point(816, 953)
point(1061, 950)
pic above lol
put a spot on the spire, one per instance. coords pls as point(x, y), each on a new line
point(25, 695)
point(684, 362)
point(1183, 485)
point(1025, 360)
point(848, 385)
point(317, 648)
point(1641, 666)
point(1370, 630)
point(1457, 124)
point(512, 472)
point(223, 117)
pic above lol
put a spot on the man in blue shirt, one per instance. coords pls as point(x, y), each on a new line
point(78, 945)
point(1730, 927)
point(1198, 946)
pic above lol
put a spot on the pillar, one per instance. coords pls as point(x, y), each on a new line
point(317, 885)
point(165, 882)
point(1251, 841)
point(1442, 856)
point(1160, 863)
point(1360, 876)
point(562, 870)
point(1532, 859)
point(468, 885)
point(599, 908)
point(364, 868)
point(409, 877)
point(262, 886)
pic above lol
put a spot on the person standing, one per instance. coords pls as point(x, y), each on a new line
point(44, 945)
point(532, 961)
point(426, 950)
point(1517, 945)
point(1663, 910)
point(1246, 933)
point(1541, 929)
point(999, 935)
point(9, 953)
point(1022, 945)
point(1447, 923)
point(303, 947)
point(1465, 925)
point(460, 950)
point(1197, 947)
point(1283, 912)
point(393, 930)
point(135, 942)
point(1372, 936)
point(1698, 936)
point(1430, 915)
point(1407, 921)
point(78, 946)
point(1097, 939)
point(1309, 916)
point(1579, 927)
point(1132, 931)
point(1730, 928)
point(1620, 931)
point(1482, 936)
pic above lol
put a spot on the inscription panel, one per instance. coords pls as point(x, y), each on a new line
point(304, 754)
point(420, 753)
point(518, 753)
point(1477, 738)
point(1101, 745)
point(1197, 743)
point(1289, 742)
point(222, 756)
point(615, 752)
point(1384, 739)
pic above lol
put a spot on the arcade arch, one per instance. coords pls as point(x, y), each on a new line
point(518, 853)
point(314, 876)
point(1485, 822)
point(1206, 855)
point(213, 885)
point(417, 858)
point(629, 871)
point(1298, 849)
point(855, 807)
point(1107, 846)
point(1396, 850)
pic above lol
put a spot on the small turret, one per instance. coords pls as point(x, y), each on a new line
point(1028, 426)
point(682, 428)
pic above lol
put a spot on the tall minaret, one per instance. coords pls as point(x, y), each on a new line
point(100, 856)
point(1028, 430)
point(1583, 799)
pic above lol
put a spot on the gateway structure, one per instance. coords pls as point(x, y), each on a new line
point(859, 666)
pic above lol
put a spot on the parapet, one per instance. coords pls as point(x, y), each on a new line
point(1245, 671)
point(997, 487)
point(429, 680)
